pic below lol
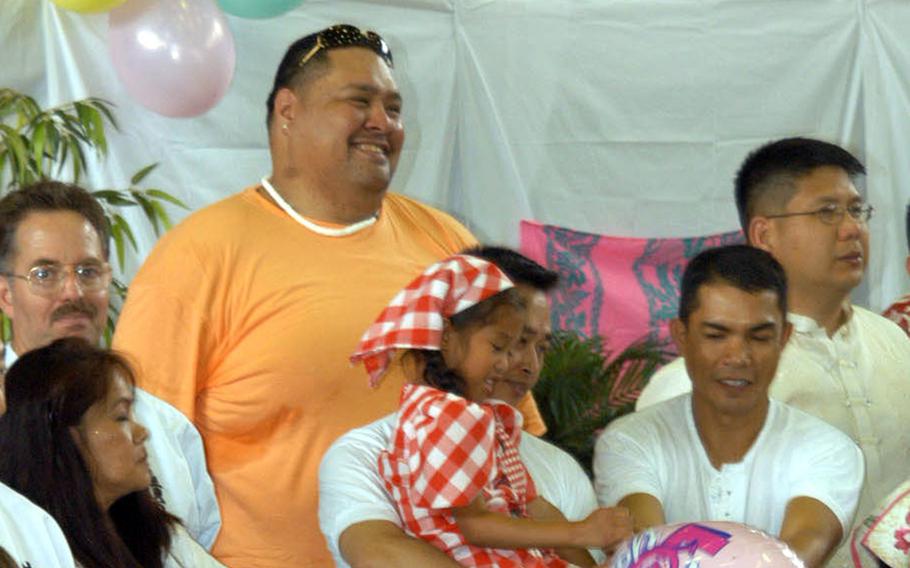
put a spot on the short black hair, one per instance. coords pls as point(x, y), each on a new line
point(742, 266)
point(47, 196)
point(519, 268)
point(293, 73)
point(775, 167)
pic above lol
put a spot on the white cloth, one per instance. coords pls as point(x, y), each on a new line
point(857, 381)
point(29, 534)
point(177, 460)
point(187, 553)
point(658, 451)
point(351, 490)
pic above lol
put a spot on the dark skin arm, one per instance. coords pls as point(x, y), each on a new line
point(382, 544)
point(646, 510)
point(811, 529)
point(604, 528)
point(542, 510)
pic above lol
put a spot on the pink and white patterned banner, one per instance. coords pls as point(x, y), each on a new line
point(622, 289)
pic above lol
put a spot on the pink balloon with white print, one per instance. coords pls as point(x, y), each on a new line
point(704, 545)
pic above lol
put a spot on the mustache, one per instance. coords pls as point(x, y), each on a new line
point(80, 307)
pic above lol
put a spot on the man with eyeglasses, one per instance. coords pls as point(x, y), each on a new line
point(245, 314)
point(847, 365)
point(54, 282)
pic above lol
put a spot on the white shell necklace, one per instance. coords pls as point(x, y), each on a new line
point(325, 231)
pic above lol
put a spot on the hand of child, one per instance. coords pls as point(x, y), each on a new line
point(605, 527)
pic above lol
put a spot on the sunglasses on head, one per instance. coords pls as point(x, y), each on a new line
point(345, 35)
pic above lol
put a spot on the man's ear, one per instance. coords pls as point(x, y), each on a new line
point(678, 332)
point(907, 266)
point(6, 297)
point(761, 233)
point(285, 106)
point(786, 332)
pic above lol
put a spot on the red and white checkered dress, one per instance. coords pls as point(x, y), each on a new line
point(445, 452)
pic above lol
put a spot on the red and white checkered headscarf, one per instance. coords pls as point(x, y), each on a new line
point(415, 316)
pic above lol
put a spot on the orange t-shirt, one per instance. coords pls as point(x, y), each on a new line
point(244, 320)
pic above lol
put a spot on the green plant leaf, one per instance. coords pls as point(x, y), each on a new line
point(581, 390)
point(164, 196)
point(124, 227)
point(39, 137)
point(2, 167)
point(114, 197)
point(97, 132)
point(17, 147)
point(148, 209)
point(140, 175)
point(161, 213)
point(105, 108)
point(78, 159)
point(119, 249)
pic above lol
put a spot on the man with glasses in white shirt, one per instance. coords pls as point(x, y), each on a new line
point(847, 365)
point(54, 247)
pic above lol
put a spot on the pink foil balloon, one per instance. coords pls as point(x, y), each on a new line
point(704, 545)
point(176, 57)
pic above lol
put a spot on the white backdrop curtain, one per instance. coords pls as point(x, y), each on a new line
point(624, 117)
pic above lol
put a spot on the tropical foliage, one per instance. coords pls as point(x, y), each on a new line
point(582, 388)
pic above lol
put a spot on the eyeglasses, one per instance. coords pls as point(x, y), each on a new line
point(345, 35)
point(48, 279)
point(833, 214)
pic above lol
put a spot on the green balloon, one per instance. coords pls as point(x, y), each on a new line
point(258, 8)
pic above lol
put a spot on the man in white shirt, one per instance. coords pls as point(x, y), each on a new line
point(726, 452)
point(54, 248)
point(844, 364)
point(356, 513)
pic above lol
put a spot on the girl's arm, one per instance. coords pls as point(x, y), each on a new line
point(542, 510)
point(603, 528)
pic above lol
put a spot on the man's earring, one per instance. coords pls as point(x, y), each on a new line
point(284, 126)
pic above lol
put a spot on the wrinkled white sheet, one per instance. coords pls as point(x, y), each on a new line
point(626, 117)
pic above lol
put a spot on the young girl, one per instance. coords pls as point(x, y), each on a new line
point(453, 466)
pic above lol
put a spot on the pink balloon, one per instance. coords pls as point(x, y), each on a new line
point(176, 57)
point(704, 545)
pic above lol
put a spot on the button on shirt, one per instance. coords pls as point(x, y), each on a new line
point(657, 451)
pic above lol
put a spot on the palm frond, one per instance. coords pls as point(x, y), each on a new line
point(582, 388)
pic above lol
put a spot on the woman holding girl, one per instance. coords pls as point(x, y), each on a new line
point(453, 466)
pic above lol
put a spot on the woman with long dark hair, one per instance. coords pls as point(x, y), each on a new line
point(69, 443)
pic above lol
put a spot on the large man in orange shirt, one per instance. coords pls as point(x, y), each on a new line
point(244, 315)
